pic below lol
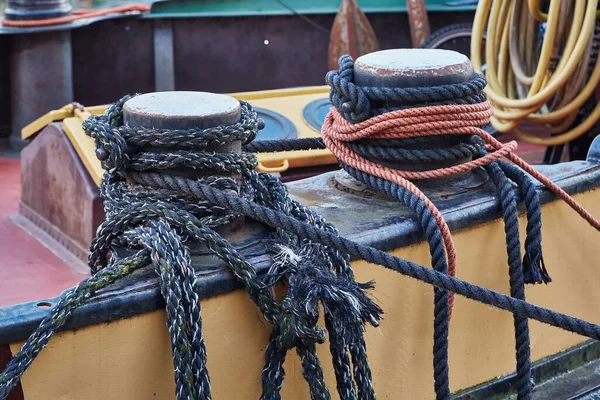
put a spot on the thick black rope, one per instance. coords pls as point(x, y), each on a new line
point(534, 268)
point(517, 282)
point(357, 251)
point(60, 314)
point(357, 103)
point(396, 151)
point(433, 236)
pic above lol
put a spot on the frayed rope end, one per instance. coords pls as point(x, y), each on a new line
point(534, 269)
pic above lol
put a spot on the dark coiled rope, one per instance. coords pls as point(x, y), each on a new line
point(356, 103)
point(343, 95)
point(158, 222)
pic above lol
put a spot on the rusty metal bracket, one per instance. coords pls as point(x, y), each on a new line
point(418, 20)
point(351, 34)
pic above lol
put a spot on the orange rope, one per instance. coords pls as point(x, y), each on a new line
point(429, 121)
point(78, 14)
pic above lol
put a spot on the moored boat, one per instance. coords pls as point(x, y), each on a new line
point(107, 341)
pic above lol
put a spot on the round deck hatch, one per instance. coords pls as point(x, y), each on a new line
point(315, 112)
point(277, 126)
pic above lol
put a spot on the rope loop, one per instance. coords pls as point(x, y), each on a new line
point(113, 138)
point(358, 103)
point(349, 98)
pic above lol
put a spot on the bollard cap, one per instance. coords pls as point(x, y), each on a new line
point(412, 67)
point(181, 110)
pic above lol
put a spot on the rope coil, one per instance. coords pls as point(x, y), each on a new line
point(546, 86)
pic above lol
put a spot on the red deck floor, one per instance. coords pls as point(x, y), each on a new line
point(28, 270)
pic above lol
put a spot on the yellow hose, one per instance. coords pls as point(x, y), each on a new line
point(555, 91)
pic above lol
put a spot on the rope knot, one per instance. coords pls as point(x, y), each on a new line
point(349, 99)
point(296, 329)
point(111, 147)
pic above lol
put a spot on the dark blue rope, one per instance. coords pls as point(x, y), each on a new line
point(437, 251)
point(534, 268)
point(357, 103)
point(517, 282)
point(357, 251)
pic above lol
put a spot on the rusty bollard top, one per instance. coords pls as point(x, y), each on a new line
point(412, 67)
point(184, 110)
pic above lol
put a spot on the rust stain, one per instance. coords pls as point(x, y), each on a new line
point(351, 34)
point(419, 22)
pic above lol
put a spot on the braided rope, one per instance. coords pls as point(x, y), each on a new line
point(516, 279)
point(365, 145)
point(358, 103)
point(333, 241)
point(353, 121)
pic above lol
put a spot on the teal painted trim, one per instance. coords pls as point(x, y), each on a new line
point(238, 8)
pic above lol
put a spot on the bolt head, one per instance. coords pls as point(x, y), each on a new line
point(347, 107)
point(102, 154)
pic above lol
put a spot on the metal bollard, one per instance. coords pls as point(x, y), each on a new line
point(400, 68)
point(414, 68)
point(186, 110)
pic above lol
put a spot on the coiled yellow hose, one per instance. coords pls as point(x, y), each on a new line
point(547, 88)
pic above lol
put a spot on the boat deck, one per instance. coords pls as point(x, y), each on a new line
point(31, 270)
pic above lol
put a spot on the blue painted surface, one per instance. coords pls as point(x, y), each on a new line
point(314, 113)
point(277, 126)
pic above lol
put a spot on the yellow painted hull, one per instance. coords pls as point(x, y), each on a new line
point(131, 358)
